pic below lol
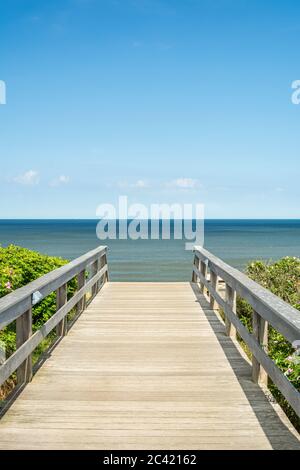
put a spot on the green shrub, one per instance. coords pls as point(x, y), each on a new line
point(18, 267)
point(283, 279)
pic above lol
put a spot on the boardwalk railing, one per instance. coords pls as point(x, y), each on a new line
point(267, 309)
point(17, 306)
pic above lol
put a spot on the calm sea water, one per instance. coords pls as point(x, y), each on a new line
point(235, 241)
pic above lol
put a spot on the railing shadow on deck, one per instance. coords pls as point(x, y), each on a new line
point(264, 411)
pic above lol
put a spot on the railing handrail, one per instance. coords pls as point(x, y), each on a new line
point(13, 305)
point(267, 309)
point(18, 306)
point(280, 314)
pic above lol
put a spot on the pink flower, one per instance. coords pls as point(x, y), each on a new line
point(8, 285)
point(289, 371)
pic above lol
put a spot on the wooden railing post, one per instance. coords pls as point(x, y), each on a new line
point(95, 268)
point(196, 264)
point(23, 333)
point(80, 283)
point(214, 284)
point(106, 276)
point(203, 270)
point(230, 297)
point(61, 299)
point(260, 333)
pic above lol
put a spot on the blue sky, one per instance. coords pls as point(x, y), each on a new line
point(161, 100)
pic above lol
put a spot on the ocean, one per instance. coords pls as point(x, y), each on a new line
point(235, 241)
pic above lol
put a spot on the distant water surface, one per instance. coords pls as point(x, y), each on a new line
point(235, 241)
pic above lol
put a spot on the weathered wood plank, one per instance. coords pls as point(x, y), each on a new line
point(230, 298)
point(23, 334)
point(61, 300)
point(214, 286)
point(203, 270)
point(197, 265)
point(260, 333)
point(80, 283)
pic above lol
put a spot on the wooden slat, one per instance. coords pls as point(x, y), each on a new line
point(61, 300)
point(80, 283)
point(230, 298)
point(94, 269)
point(197, 265)
point(23, 334)
point(260, 333)
point(203, 270)
point(214, 286)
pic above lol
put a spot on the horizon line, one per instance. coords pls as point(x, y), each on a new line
point(117, 219)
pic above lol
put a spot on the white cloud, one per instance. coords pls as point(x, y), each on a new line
point(29, 178)
point(184, 183)
point(140, 184)
point(60, 180)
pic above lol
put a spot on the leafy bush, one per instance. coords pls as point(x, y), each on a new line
point(18, 267)
point(283, 279)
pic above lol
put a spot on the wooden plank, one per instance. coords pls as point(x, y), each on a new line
point(80, 283)
point(104, 262)
point(214, 286)
point(203, 270)
point(61, 300)
point(260, 333)
point(23, 333)
point(196, 264)
point(94, 270)
point(230, 298)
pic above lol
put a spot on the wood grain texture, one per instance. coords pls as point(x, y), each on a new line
point(260, 332)
point(146, 366)
point(23, 333)
point(61, 300)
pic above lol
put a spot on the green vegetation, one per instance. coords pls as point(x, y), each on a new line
point(283, 279)
point(18, 267)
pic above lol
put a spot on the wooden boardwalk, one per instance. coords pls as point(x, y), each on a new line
point(147, 365)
